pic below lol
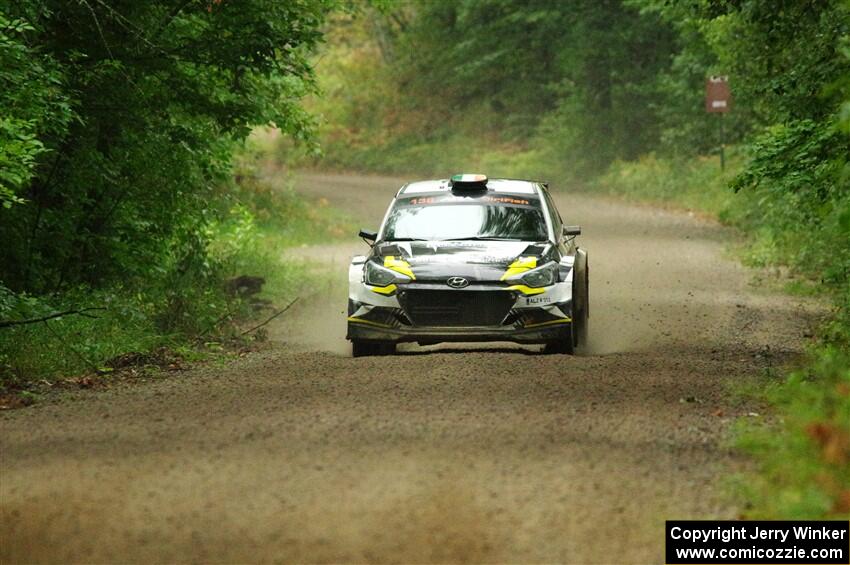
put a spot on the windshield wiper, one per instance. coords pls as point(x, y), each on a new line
point(405, 239)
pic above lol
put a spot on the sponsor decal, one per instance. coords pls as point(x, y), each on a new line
point(399, 266)
point(448, 198)
point(520, 266)
point(507, 200)
point(525, 289)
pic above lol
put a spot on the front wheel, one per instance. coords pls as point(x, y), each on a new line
point(360, 348)
point(580, 319)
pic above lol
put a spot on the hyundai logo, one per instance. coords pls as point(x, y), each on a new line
point(457, 282)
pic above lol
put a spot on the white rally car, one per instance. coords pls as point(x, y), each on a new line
point(469, 259)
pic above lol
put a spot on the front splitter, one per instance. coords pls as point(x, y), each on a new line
point(545, 332)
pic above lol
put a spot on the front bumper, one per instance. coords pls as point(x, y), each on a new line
point(428, 312)
point(452, 318)
point(545, 332)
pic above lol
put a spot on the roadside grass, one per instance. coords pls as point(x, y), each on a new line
point(692, 184)
point(802, 456)
point(181, 317)
point(130, 328)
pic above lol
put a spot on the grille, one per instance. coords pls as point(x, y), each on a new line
point(456, 307)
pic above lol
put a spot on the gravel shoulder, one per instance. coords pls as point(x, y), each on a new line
point(441, 453)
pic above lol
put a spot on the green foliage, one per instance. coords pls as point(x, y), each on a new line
point(132, 322)
point(188, 300)
point(586, 83)
point(73, 344)
point(782, 54)
point(118, 121)
point(497, 73)
point(804, 458)
point(131, 110)
point(32, 103)
point(803, 201)
point(186, 303)
point(269, 196)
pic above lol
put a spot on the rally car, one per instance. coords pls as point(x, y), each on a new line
point(469, 259)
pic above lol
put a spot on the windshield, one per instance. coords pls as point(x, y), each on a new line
point(465, 221)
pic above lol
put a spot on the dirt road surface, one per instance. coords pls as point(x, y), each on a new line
point(439, 454)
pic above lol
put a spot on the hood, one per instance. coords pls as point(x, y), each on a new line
point(473, 260)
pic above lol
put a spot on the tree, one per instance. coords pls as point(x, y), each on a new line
point(121, 117)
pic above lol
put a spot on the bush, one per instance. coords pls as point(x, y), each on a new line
point(73, 344)
point(802, 212)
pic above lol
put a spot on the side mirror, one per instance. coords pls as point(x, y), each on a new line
point(369, 236)
point(572, 231)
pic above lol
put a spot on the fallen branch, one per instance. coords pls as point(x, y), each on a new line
point(214, 325)
point(80, 312)
point(275, 315)
point(70, 348)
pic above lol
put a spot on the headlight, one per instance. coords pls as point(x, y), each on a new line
point(380, 276)
point(541, 276)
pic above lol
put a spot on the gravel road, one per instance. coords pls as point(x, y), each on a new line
point(438, 454)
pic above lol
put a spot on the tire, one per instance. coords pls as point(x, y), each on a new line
point(582, 320)
point(361, 348)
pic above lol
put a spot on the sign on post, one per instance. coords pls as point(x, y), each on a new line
point(718, 100)
point(718, 96)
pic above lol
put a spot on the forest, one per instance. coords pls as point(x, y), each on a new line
point(127, 197)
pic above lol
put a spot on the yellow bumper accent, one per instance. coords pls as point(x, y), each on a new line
point(367, 322)
point(389, 289)
point(526, 290)
point(520, 266)
point(399, 266)
point(549, 323)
